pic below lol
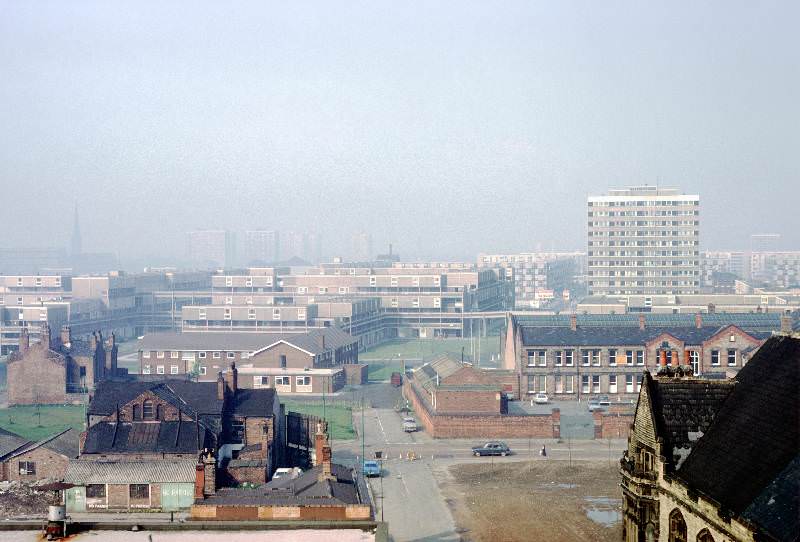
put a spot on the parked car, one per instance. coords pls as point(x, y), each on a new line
point(372, 468)
point(594, 404)
point(285, 472)
point(541, 399)
point(410, 425)
point(493, 447)
point(604, 400)
point(397, 380)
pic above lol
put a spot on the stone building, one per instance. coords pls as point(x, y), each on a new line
point(580, 356)
point(717, 460)
point(23, 460)
point(71, 367)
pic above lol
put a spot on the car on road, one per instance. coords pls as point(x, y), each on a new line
point(541, 399)
point(493, 447)
point(604, 400)
point(594, 404)
point(371, 468)
point(410, 425)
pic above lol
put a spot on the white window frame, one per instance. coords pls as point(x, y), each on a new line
point(569, 358)
point(230, 355)
point(174, 354)
point(202, 371)
point(639, 357)
point(251, 314)
point(586, 384)
point(201, 355)
point(569, 384)
point(558, 384)
point(612, 357)
point(595, 383)
point(146, 369)
point(146, 354)
point(276, 314)
point(160, 355)
point(173, 369)
point(559, 355)
point(283, 378)
point(612, 384)
point(300, 382)
point(717, 362)
point(629, 383)
point(260, 382)
point(595, 355)
point(735, 357)
point(160, 369)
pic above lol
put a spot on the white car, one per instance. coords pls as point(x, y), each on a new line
point(541, 399)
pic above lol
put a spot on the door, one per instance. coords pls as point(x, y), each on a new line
point(176, 496)
point(76, 499)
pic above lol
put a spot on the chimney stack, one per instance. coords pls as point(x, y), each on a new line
point(698, 320)
point(320, 439)
point(325, 473)
point(199, 481)
point(573, 322)
point(220, 387)
point(24, 340)
point(642, 322)
point(209, 474)
point(66, 336)
point(93, 341)
point(232, 378)
point(786, 323)
point(45, 335)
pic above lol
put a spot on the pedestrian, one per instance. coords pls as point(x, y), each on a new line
point(543, 451)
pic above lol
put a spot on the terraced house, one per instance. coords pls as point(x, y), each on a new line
point(583, 355)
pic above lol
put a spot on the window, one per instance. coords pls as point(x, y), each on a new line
point(146, 355)
point(612, 357)
point(95, 495)
point(231, 355)
point(559, 358)
point(704, 536)
point(201, 355)
point(137, 413)
point(147, 410)
point(628, 383)
point(201, 314)
point(585, 383)
point(731, 357)
point(260, 381)
point(227, 314)
point(146, 370)
point(542, 357)
point(159, 412)
point(569, 384)
point(251, 314)
point(174, 355)
point(595, 357)
point(373, 281)
point(559, 384)
point(283, 361)
point(595, 383)
point(237, 431)
point(629, 357)
point(276, 314)
point(569, 358)
point(282, 381)
point(203, 370)
point(27, 468)
point(302, 381)
point(715, 358)
point(694, 361)
point(217, 355)
point(677, 527)
point(542, 383)
point(640, 357)
point(159, 355)
point(160, 369)
point(531, 384)
point(342, 289)
point(585, 357)
point(612, 383)
point(173, 369)
point(322, 290)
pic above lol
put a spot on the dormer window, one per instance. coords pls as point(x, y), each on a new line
point(147, 410)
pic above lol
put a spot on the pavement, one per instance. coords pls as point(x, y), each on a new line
point(411, 499)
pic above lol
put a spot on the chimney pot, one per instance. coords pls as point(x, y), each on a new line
point(220, 387)
point(642, 322)
point(232, 378)
point(698, 320)
point(786, 323)
point(573, 322)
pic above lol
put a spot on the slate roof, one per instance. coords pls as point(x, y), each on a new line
point(305, 490)
point(10, 442)
point(310, 341)
point(169, 437)
point(81, 472)
point(746, 321)
point(441, 365)
point(187, 395)
point(618, 335)
point(252, 402)
point(754, 438)
point(64, 443)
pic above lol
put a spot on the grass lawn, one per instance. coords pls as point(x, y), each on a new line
point(2, 375)
point(427, 349)
point(24, 421)
point(340, 418)
point(381, 371)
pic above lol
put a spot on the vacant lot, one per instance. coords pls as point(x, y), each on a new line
point(427, 349)
point(35, 423)
point(535, 500)
point(340, 418)
point(380, 371)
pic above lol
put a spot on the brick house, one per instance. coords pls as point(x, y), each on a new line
point(71, 365)
point(22, 460)
point(606, 354)
point(305, 363)
point(717, 460)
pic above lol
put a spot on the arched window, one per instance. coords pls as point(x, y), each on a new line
point(137, 413)
point(147, 410)
point(677, 527)
point(704, 536)
point(159, 412)
point(650, 533)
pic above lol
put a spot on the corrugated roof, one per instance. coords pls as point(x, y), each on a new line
point(83, 472)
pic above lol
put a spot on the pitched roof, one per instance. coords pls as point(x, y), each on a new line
point(619, 335)
point(10, 442)
point(746, 321)
point(83, 472)
point(189, 396)
point(172, 437)
point(64, 443)
point(755, 435)
point(252, 402)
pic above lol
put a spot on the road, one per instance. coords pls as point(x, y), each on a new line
point(412, 502)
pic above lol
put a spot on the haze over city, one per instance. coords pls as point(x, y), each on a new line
point(444, 128)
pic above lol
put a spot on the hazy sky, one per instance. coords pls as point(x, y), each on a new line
point(448, 128)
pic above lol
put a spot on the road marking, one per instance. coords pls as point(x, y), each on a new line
point(386, 440)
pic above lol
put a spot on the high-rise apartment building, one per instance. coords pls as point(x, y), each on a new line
point(362, 250)
point(261, 246)
point(211, 248)
point(643, 240)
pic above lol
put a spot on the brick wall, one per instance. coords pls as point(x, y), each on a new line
point(48, 464)
point(472, 401)
point(317, 513)
point(25, 383)
point(608, 425)
point(483, 426)
point(356, 374)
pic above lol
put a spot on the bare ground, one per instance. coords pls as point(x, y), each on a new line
point(534, 500)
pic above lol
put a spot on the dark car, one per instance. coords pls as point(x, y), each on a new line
point(493, 447)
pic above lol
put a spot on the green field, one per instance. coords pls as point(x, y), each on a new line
point(24, 420)
point(379, 371)
point(2, 375)
point(340, 418)
point(427, 349)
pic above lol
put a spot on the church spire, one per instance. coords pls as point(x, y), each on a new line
point(75, 243)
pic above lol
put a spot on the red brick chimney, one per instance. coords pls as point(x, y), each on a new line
point(642, 322)
point(786, 324)
point(199, 481)
point(698, 320)
point(209, 474)
point(573, 322)
point(220, 387)
point(45, 335)
point(232, 378)
point(320, 440)
point(326, 473)
point(66, 336)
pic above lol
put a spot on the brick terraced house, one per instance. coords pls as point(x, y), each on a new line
point(235, 434)
point(23, 460)
point(579, 356)
point(717, 461)
point(316, 362)
point(72, 366)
